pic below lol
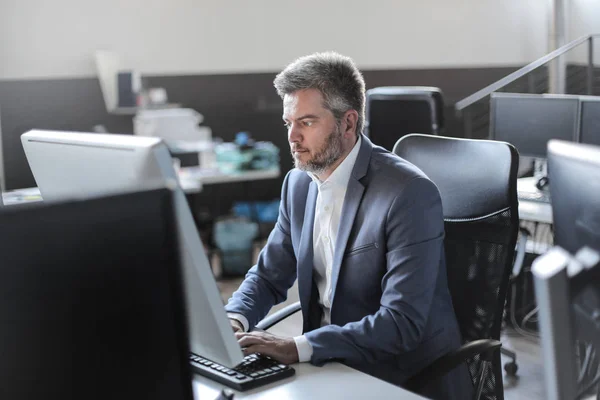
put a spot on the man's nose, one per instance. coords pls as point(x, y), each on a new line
point(294, 135)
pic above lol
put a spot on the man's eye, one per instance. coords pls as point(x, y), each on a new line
point(308, 123)
point(287, 126)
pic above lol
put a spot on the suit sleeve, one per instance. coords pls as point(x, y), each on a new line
point(414, 239)
point(267, 282)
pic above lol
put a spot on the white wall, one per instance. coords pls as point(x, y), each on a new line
point(584, 19)
point(42, 38)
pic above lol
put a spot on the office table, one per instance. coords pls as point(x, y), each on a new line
point(332, 381)
point(533, 211)
point(191, 180)
point(536, 217)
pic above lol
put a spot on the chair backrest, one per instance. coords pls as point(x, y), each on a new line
point(394, 111)
point(477, 180)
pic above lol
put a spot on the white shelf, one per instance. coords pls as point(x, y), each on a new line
point(134, 110)
point(212, 176)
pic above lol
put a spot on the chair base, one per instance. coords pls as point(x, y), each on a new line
point(511, 367)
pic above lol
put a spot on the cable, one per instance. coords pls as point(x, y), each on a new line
point(522, 331)
point(529, 316)
point(583, 369)
point(588, 387)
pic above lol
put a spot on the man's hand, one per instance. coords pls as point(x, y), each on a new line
point(282, 349)
point(236, 325)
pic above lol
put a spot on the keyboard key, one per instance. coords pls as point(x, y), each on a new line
point(240, 376)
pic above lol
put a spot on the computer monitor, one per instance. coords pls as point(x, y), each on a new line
point(590, 120)
point(566, 306)
point(80, 165)
point(91, 300)
point(574, 175)
point(567, 293)
point(529, 121)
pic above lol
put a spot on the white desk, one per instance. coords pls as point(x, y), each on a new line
point(20, 196)
point(534, 211)
point(332, 381)
point(191, 180)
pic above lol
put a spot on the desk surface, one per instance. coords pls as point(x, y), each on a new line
point(191, 180)
point(332, 381)
point(190, 175)
point(535, 211)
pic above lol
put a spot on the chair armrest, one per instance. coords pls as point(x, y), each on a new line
point(280, 315)
point(451, 360)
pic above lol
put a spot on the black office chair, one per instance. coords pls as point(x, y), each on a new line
point(394, 111)
point(477, 180)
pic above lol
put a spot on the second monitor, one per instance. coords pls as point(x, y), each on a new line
point(529, 121)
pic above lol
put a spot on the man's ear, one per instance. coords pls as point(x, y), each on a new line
point(350, 122)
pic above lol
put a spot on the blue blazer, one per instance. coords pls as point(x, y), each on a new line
point(391, 311)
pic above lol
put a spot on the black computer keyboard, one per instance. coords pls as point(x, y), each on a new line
point(256, 370)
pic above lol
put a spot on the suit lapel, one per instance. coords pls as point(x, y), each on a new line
point(305, 253)
point(352, 201)
point(354, 194)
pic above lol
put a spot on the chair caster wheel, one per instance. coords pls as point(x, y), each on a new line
point(511, 369)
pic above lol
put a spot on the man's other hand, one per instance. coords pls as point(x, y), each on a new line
point(236, 325)
point(282, 349)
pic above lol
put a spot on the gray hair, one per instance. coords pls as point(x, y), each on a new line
point(334, 75)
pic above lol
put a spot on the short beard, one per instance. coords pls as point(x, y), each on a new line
point(326, 156)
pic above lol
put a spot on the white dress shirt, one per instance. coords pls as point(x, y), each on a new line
point(328, 212)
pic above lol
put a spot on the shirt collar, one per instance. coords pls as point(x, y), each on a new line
point(341, 175)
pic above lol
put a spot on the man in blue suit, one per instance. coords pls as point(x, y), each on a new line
point(362, 230)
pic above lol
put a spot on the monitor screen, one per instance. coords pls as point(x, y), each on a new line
point(528, 122)
point(82, 165)
point(590, 120)
point(91, 306)
point(574, 175)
